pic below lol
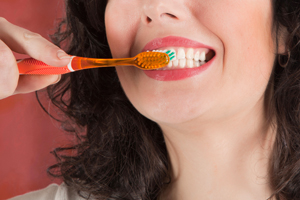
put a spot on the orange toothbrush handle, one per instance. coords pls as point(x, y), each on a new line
point(32, 66)
point(144, 60)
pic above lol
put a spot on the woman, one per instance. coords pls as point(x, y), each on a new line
point(226, 130)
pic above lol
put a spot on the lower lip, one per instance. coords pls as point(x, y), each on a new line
point(177, 74)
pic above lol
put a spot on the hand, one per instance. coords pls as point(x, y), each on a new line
point(20, 40)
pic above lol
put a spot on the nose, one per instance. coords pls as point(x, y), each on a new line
point(158, 11)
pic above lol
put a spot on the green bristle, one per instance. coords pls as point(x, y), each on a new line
point(171, 54)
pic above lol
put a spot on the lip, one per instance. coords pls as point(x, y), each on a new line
point(175, 74)
point(173, 41)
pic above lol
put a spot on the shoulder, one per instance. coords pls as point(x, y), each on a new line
point(52, 192)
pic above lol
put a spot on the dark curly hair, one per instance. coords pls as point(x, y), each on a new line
point(120, 154)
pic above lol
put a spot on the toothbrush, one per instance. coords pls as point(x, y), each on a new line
point(146, 60)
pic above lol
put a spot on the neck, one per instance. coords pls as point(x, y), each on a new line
point(225, 159)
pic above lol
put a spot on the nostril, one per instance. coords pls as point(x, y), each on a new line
point(173, 16)
point(149, 20)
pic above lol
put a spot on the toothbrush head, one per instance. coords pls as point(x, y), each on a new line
point(154, 59)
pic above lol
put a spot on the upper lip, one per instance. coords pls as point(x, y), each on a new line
point(173, 41)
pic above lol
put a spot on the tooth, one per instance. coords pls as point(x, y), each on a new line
point(190, 63)
point(202, 63)
point(202, 56)
point(171, 53)
point(170, 64)
point(197, 56)
point(190, 54)
point(180, 53)
point(175, 62)
point(197, 63)
point(175, 56)
point(182, 63)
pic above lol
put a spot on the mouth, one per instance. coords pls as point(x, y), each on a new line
point(192, 58)
point(189, 53)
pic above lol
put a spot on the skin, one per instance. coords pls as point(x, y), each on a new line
point(20, 40)
point(215, 125)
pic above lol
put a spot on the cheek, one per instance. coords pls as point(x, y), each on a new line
point(246, 34)
point(116, 29)
point(120, 24)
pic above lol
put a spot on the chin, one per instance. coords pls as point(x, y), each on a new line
point(172, 113)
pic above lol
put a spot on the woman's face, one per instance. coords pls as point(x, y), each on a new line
point(239, 33)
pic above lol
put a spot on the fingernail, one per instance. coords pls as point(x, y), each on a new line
point(58, 79)
point(62, 55)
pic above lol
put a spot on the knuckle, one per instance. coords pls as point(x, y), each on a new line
point(5, 56)
point(8, 86)
point(8, 76)
point(3, 20)
point(35, 44)
point(50, 48)
point(47, 50)
point(6, 93)
point(30, 39)
point(28, 35)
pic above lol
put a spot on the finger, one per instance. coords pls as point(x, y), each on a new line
point(26, 42)
point(9, 73)
point(31, 83)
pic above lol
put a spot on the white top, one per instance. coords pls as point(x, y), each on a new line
point(52, 192)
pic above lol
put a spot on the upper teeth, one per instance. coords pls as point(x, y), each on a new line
point(180, 53)
point(187, 57)
point(190, 53)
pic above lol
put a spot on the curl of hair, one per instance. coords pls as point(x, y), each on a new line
point(285, 163)
point(122, 155)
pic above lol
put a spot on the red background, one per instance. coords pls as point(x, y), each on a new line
point(27, 134)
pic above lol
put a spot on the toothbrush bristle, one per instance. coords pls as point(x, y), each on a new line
point(172, 54)
point(152, 60)
point(155, 59)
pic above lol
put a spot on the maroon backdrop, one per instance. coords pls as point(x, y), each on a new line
point(27, 134)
